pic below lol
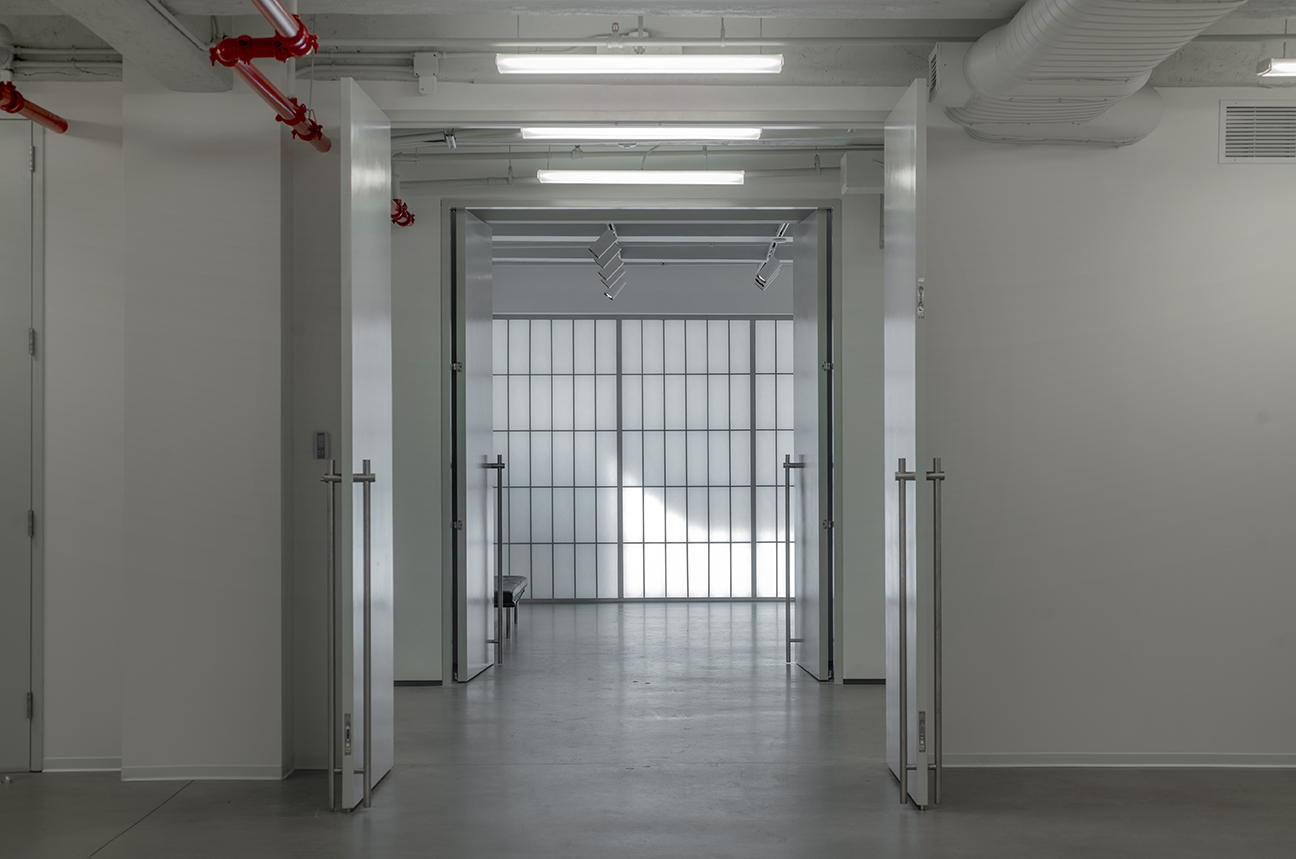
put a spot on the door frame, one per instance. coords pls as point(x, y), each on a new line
point(449, 418)
point(36, 454)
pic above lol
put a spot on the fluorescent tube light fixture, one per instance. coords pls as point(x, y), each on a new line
point(767, 272)
point(652, 133)
point(1277, 68)
point(640, 177)
point(639, 64)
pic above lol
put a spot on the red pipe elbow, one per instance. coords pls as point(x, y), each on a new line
point(400, 214)
point(12, 101)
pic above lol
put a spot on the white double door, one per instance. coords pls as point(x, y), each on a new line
point(912, 683)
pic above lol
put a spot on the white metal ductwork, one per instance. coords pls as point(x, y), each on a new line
point(1068, 71)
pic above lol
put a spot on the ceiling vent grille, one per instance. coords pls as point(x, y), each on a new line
point(1257, 132)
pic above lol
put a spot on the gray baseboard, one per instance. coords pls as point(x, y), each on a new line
point(1120, 759)
point(80, 765)
point(249, 772)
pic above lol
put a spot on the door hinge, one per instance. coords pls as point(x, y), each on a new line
point(31, 159)
point(31, 523)
point(922, 288)
point(458, 525)
point(922, 730)
point(31, 706)
point(31, 341)
point(827, 365)
point(346, 734)
point(457, 367)
point(829, 523)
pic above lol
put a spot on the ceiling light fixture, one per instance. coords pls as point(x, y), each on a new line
point(640, 177)
point(612, 290)
point(770, 268)
point(611, 268)
point(1277, 68)
point(639, 64)
point(767, 272)
point(653, 133)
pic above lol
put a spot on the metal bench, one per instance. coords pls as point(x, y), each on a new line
point(513, 587)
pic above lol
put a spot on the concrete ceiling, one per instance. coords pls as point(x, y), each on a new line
point(141, 33)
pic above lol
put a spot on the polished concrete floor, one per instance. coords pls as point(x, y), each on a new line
point(654, 731)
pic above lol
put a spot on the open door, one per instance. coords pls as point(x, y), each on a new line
point(15, 447)
point(909, 609)
point(367, 697)
point(812, 479)
point(474, 513)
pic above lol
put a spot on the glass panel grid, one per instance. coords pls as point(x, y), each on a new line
point(645, 455)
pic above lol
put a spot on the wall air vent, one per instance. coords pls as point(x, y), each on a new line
point(1257, 132)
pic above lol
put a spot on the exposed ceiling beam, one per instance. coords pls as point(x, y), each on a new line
point(145, 37)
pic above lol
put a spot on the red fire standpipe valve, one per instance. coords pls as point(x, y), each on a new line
point(12, 101)
point(401, 215)
point(291, 40)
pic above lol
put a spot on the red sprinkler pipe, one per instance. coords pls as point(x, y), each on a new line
point(12, 101)
point(291, 40)
point(289, 111)
point(400, 214)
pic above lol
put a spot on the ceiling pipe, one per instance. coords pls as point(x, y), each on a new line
point(288, 110)
point(453, 44)
point(12, 101)
point(291, 40)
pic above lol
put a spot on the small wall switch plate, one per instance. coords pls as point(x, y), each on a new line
point(323, 445)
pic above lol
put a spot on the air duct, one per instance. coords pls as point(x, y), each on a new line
point(1068, 71)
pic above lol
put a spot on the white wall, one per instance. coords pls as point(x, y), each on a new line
point(861, 621)
point(202, 615)
point(416, 444)
point(1111, 356)
point(83, 353)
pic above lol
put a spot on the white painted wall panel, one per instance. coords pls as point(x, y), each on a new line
point(202, 684)
point(1111, 368)
point(861, 621)
point(84, 460)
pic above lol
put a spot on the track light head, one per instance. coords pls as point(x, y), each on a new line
point(613, 289)
point(767, 272)
point(611, 273)
point(606, 242)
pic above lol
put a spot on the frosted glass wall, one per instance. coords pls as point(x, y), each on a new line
point(643, 454)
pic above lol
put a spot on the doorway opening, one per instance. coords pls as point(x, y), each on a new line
point(643, 442)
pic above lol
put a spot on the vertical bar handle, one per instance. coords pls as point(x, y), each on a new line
point(498, 640)
point(902, 477)
point(937, 477)
point(366, 480)
point(788, 465)
point(332, 478)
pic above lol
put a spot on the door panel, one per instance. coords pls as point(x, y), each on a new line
point(904, 264)
point(367, 415)
point(812, 484)
point(15, 444)
point(475, 401)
